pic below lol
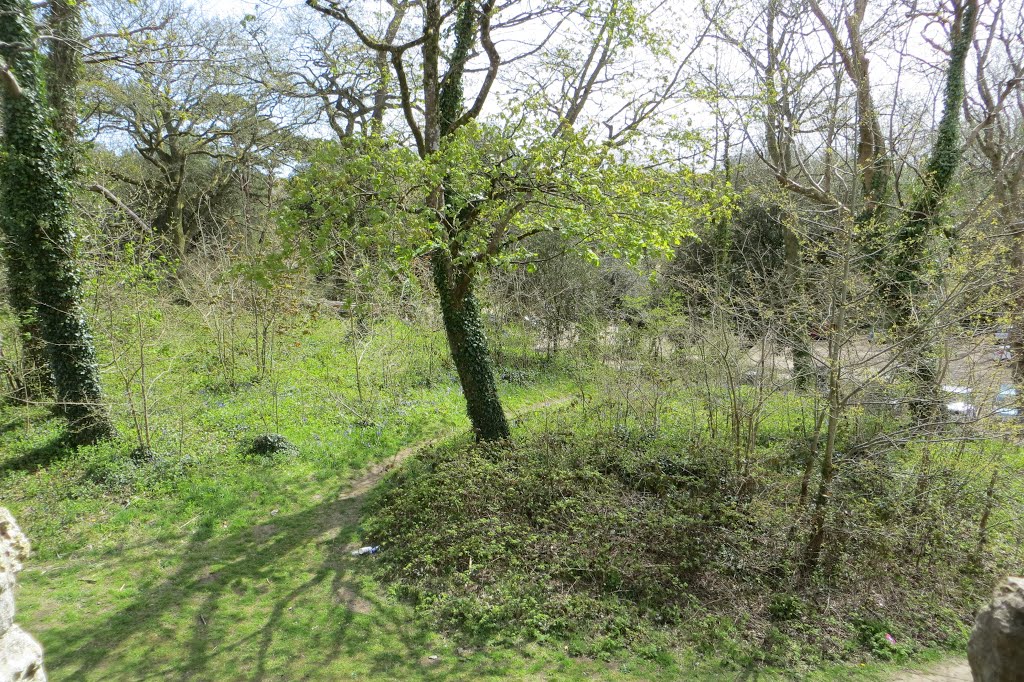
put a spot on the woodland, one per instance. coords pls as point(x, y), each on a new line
point(511, 339)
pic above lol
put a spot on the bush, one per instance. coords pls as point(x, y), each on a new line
point(630, 539)
point(270, 445)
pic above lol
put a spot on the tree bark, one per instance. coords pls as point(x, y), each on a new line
point(36, 217)
point(468, 346)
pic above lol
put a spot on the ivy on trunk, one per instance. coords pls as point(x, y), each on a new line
point(35, 215)
point(913, 269)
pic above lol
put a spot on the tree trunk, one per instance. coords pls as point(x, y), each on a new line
point(63, 72)
point(799, 340)
point(36, 382)
point(780, 150)
point(468, 346)
point(36, 217)
point(169, 224)
point(913, 249)
point(454, 282)
point(1017, 330)
point(836, 339)
point(1010, 208)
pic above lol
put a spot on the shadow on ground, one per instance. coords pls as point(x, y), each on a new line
point(35, 459)
point(233, 608)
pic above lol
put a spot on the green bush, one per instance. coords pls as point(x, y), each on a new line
point(631, 538)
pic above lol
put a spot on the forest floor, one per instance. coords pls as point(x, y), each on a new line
point(205, 563)
point(280, 600)
point(954, 671)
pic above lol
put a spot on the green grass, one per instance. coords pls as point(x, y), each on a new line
point(205, 562)
point(201, 561)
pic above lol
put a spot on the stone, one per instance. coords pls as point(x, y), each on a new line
point(6, 609)
point(21, 657)
point(996, 647)
point(14, 547)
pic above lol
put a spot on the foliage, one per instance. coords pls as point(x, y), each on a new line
point(271, 444)
point(36, 218)
point(626, 539)
point(372, 191)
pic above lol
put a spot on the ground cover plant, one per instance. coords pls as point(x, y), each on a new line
point(531, 339)
point(627, 539)
point(135, 548)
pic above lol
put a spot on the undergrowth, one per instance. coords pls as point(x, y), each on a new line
point(625, 539)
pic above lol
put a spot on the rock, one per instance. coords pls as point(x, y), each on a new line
point(996, 648)
point(6, 607)
point(14, 547)
point(21, 657)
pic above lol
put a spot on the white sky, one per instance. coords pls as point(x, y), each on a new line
point(227, 7)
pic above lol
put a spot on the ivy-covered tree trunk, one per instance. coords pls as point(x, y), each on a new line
point(468, 345)
point(1017, 329)
point(913, 247)
point(63, 65)
point(35, 381)
point(36, 217)
point(454, 283)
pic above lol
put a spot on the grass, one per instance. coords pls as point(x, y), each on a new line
point(204, 562)
point(198, 560)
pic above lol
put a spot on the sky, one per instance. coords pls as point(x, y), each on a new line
point(227, 7)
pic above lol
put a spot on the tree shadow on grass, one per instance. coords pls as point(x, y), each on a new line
point(37, 458)
point(228, 633)
point(11, 425)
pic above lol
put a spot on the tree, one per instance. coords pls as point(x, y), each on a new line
point(191, 96)
point(912, 247)
point(873, 164)
point(995, 114)
point(332, 73)
point(35, 215)
point(484, 190)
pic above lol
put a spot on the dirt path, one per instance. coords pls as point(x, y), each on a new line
point(954, 671)
point(375, 473)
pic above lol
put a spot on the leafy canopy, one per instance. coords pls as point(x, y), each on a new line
point(499, 192)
